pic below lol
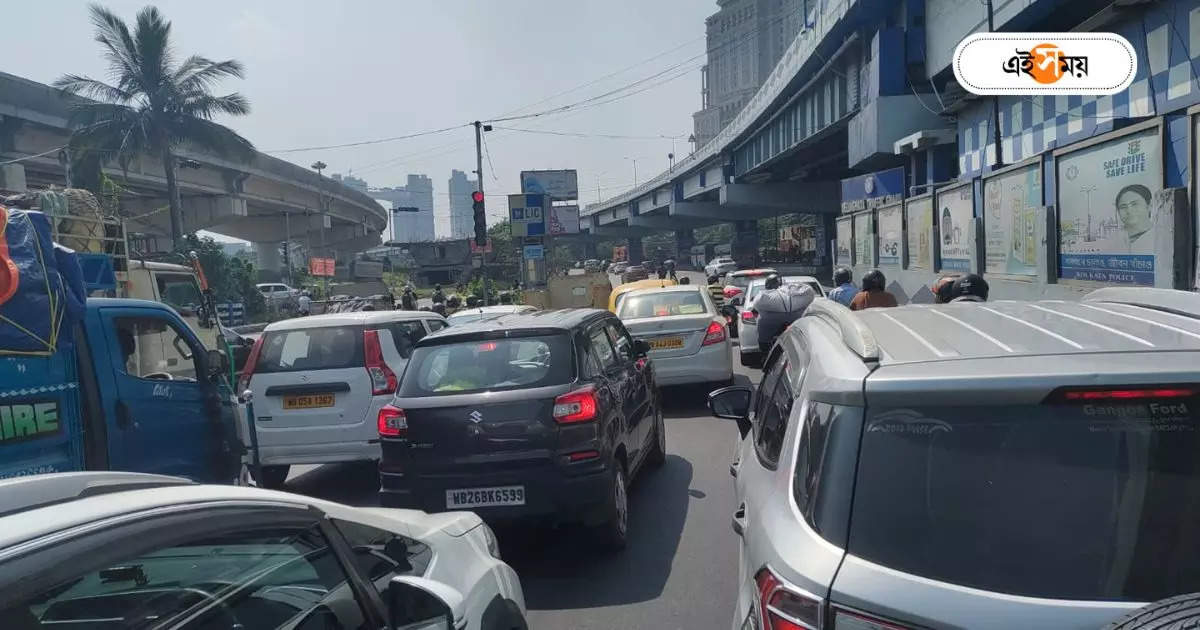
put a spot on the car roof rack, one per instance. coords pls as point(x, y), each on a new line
point(1185, 303)
point(19, 494)
point(855, 333)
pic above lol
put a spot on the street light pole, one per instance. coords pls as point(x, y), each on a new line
point(319, 166)
point(479, 187)
point(287, 227)
point(635, 180)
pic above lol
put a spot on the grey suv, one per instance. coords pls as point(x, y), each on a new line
point(979, 465)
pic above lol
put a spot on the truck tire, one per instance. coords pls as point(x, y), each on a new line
point(273, 476)
point(1176, 613)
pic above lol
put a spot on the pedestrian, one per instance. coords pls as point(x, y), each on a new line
point(716, 290)
point(305, 304)
point(438, 297)
point(408, 301)
point(970, 288)
point(874, 293)
point(844, 290)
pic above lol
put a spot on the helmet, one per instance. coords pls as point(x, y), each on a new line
point(970, 286)
point(943, 289)
point(437, 287)
point(773, 282)
point(874, 281)
point(842, 275)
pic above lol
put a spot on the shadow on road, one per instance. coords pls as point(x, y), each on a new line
point(563, 569)
point(681, 401)
point(352, 484)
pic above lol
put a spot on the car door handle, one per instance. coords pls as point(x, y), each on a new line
point(739, 521)
point(124, 418)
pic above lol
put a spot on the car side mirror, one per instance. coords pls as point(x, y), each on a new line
point(732, 403)
point(415, 602)
point(641, 347)
point(218, 363)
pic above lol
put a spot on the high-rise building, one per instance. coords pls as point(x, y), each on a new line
point(409, 226)
point(462, 218)
point(745, 39)
point(350, 181)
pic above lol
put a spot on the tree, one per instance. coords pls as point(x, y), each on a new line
point(153, 104)
point(231, 278)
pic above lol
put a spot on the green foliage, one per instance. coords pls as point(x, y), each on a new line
point(231, 278)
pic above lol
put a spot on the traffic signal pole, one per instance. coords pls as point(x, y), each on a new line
point(479, 187)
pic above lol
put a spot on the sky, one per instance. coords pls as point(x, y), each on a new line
point(326, 73)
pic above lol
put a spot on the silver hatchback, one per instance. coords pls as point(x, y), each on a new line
point(982, 465)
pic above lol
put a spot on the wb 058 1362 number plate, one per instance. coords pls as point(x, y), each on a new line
point(485, 497)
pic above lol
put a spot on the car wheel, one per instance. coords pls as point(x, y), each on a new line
point(614, 534)
point(272, 476)
point(1182, 612)
point(658, 451)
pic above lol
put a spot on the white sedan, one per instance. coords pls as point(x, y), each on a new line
point(686, 333)
point(747, 323)
point(136, 550)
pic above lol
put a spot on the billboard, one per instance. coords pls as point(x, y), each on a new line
point(526, 214)
point(844, 239)
point(563, 184)
point(320, 266)
point(480, 249)
point(1010, 203)
point(563, 220)
point(918, 217)
point(891, 232)
point(863, 237)
point(872, 190)
point(956, 206)
point(1108, 219)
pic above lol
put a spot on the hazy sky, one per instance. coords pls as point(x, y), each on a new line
point(322, 73)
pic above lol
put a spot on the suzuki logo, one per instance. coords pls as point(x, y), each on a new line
point(476, 417)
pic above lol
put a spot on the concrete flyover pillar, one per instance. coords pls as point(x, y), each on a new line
point(684, 240)
point(744, 247)
point(635, 250)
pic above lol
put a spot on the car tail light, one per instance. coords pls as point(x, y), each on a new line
point(783, 607)
point(732, 292)
point(749, 316)
point(576, 406)
point(251, 363)
point(714, 334)
point(392, 422)
point(383, 379)
point(846, 620)
point(1089, 394)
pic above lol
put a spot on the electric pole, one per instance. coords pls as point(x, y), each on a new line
point(319, 166)
point(995, 103)
point(479, 187)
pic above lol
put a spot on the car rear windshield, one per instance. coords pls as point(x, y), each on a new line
point(327, 348)
point(489, 365)
point(1085, 502)
point(662, 304)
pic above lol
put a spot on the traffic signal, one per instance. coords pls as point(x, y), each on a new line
point(480, 218)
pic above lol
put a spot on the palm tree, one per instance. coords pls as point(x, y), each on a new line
point(152, 104)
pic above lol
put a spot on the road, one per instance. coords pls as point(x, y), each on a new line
point(680, 568)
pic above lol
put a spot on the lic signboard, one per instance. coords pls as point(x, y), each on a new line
point(527, 214)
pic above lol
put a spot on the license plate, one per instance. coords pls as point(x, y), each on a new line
point(308, 401)
point(485, 497)
point(666, 343)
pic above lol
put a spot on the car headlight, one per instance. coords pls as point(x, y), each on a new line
point(489, 537)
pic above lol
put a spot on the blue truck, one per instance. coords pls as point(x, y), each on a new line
point(76, 392)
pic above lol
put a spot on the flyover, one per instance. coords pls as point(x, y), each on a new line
point(264, 201)
point(830, 108)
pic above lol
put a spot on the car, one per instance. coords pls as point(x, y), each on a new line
point(318, 382)
point(747, 321)
point(277, 294)
point(984, 465)
point(478, 313)
point(685, 333)
point(736, 283)
point(130, 550)
point(633, 273)
point(720, 266)
point(618, 293)
point(542, 416)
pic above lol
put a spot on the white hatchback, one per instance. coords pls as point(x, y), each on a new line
point(318, 383)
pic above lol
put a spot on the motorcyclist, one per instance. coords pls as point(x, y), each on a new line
point(408, 301)
point(670, 265)
point(438, 297)
point(969, 288)
point(777, 307)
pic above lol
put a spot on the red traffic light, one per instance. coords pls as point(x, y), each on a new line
point(477, 196)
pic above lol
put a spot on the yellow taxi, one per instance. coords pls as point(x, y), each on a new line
point(614, 298)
